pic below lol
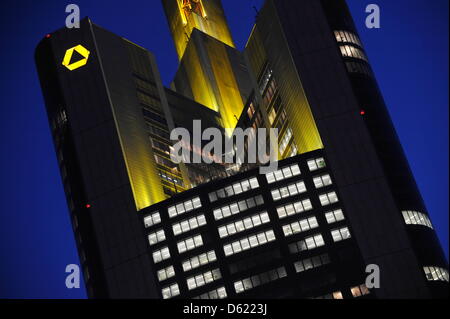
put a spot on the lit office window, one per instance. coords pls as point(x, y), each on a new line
point(334, 216)
point(237, 207)
point(340, 234)
point(350, 51)
point(328, 198)
point(436, 273)
point(243, 224)
point(359, 291)
point(203, 278)
point(311, 263)
point(249, 242)
point(200, 260)
point(219, 293)
point(315, 164)
point(188, 224)
point(308, 243)
point(258, 280)
point(161, 254)
point(189, 243)
point(156, 237)
point(300, 226)
point(152, 219)
point(170, 291)
point(283, 173)
point(184, 207)
point(416, 218)
point(285, 140)
point(166, 273)
point(347, 37)
point(235, 189)
point(322, 181)
point(294, 208)
point(291, 190)
point(334, 295)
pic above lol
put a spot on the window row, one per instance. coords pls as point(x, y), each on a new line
point(416, 218)
point(203, 278)
point(285, 172)
point(189, 243)
point(188, 224)
point(152, 219)
point(291, 190)
point(249, 242)
point(285, 140)
point(294, 208)
point(308, 243)
point(258, 280)
point(161, 254)
point(359, 291)
point(340, 234)
point(358, 67)
point(235, 189)
point(184, 207)
point(244, 224)
point(300, 226)
point(436, 273)
point(237, 207)
point(219, 293)
point(334, 216)
point(170, 291)
point(200, 260)
point(156, 237)
point(350, 51)
point(316, 163)
point(311, 263)
point(166, 273)
point(328, 198)
point(345, 36)
point(322, 181)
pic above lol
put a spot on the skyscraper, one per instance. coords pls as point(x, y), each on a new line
point(342, 198)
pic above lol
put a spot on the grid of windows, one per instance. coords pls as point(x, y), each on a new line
point(358, 67)
point(235, 189)
point(350, 51)
point(416, 218)
point(200, 260)
point(345, 36)
point(311, 263)
point(285, 140)
point(334, 216)
point(219, 293)
point(184, 207)
point(166, 273)
point(237, 207)
point(203, 278)
point(249, 242)
point(316, 163)
point(188, 224)
point(152, 219)
point(258, 280)
point(322, 181)
point(436, 273)
point(340, 234)
point(189, 243)
point(328, 198)
point(283, 173)
point(359, 291)
point(161, 254)
point(244, 224)
point(171, 291)
point(291, 190)
point(308, 243)
point(156, 237)
point(294, 208)
point(300, 226)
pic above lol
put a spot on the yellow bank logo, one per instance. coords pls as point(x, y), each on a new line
point(80, 50)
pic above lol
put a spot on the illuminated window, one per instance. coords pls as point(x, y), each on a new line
point(308, 243)
point(237, 207)
point(188, 224)
point(152, 219)
point(200, 260)
point(328, 198)
point(322, 181)
point(218, 293)
point(340, 234)
point(359, 291)
point(161, 254)
point(166, 273)
point(350, 51)
point(156, 237)
point(189, 243)
point(334, 216)
point(283, 173)
point(243, 224)
point(184, 207)
point(203, 278)
point(416, 218)
point(311, 263)
point(300, 226)
point(249, 242)
point(291, 190)
point(258, 280)
point(285, 140)
point(294, 208)
point(315, 164)
point(235, 189)
point(347, 37)
point(436, 273)
point(170, 291)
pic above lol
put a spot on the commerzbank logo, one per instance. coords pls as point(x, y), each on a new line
point(76, 57)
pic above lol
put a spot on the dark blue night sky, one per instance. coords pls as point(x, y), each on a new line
point(409, 55)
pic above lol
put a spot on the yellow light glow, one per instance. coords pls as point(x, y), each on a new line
point(68, 56)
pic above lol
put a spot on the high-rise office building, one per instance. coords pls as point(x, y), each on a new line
point(343, 196)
